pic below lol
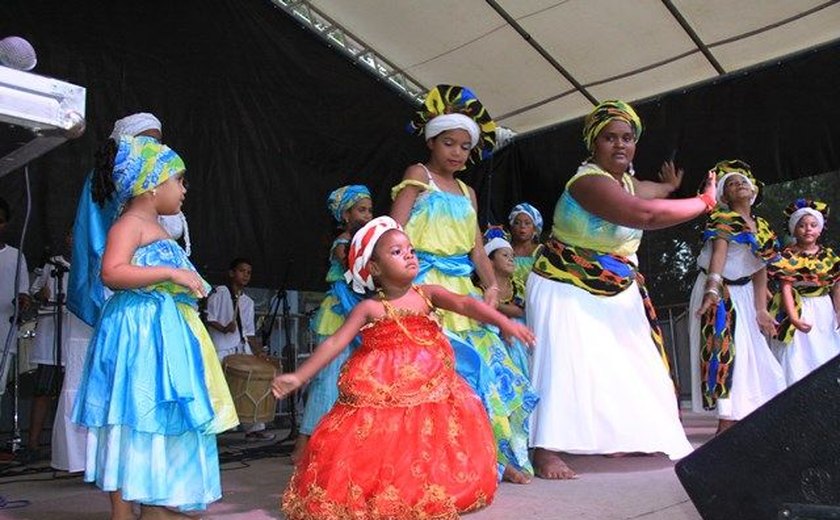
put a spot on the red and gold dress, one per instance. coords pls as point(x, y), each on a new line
point(407, 439)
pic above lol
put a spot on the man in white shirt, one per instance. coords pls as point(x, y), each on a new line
point(9, 294)
point(230, 321)
point(68, 439)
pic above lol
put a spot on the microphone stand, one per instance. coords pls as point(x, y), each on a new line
point(58, 273)
point(288, 353)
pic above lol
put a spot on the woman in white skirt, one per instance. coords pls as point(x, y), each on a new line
point(808, 303)
point(600, 369)
point(733, 369)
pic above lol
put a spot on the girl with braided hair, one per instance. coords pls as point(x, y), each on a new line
point(153, 396)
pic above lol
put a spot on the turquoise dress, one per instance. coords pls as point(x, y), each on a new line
point(153, 395)
point(336, 305)
point(442, 228)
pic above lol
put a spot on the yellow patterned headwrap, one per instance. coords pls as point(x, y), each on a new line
point(452, 99)
point(729, 167)
point(604, 113)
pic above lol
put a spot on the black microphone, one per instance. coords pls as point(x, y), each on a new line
point(17, 53)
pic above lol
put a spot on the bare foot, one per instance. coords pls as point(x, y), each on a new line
point(723, 425)
point(300, 445)
point(549, 465)
point(120, 509)
point(515, 476)
point(620, 454)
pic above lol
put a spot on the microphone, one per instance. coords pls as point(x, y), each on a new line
point(17, 53)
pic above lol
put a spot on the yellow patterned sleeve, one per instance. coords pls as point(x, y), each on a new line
point(408, 182)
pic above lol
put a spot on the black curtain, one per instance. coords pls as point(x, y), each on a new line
point(269, 120)
point(267, 117)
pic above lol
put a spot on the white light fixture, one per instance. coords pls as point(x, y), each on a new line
point(37, 114)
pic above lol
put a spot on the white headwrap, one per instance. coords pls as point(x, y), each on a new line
point(176, 226)
point(801, 212)
point(721, 182)
point(361, 249)
point(135, 124)
point(445, 122)
point(496, 243)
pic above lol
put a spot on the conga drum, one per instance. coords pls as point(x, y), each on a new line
point(249, 379)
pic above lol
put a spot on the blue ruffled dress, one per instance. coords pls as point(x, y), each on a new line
point(153, 395)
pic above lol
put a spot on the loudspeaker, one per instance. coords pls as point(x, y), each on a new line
point(780, 462)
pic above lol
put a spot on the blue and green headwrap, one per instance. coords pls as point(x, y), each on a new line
point(604, 113)
point(344, 198)
point(141, 164)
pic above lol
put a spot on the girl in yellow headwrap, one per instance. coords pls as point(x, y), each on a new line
point(732, 368)
point(600, 368)
point(808, 304)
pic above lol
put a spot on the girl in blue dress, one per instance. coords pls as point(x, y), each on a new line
point(153, 396)
point(352, 207)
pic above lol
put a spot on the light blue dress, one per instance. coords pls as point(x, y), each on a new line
point(153, 395)
point(337, 304)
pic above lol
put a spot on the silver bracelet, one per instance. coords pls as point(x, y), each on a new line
point(714, 277)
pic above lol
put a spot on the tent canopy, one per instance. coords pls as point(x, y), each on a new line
point(537, 63)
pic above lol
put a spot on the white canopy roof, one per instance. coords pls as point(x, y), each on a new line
point(536, 63)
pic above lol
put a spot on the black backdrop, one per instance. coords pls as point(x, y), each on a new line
point(269, 119)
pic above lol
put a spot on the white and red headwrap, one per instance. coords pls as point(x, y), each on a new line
point(361, 249)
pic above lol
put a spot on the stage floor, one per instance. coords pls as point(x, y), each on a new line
point(253, 476)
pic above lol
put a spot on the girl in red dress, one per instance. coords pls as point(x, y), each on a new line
point(407, 437)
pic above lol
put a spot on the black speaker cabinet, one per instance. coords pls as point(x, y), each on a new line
point(780, 462)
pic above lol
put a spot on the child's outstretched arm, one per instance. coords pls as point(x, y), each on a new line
point(478, 310)
point(285, 384)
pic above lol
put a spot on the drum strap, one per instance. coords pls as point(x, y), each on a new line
point(235, 299)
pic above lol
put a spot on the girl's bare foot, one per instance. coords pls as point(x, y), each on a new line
point(120, 509)
point(616, 455)
point(723, 425)
point(515, 476)
point(549, 465)
point(300, 445)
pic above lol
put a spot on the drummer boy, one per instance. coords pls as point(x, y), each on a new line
point(230, 320)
